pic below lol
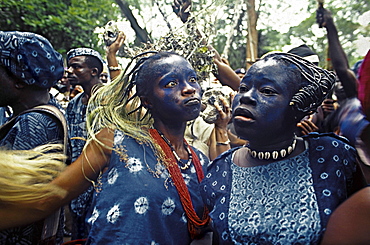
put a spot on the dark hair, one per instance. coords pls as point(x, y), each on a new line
point(315, 82)
point(147, 70)
point(93, 62)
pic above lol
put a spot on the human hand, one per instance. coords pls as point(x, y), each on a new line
point(323, 16)
point(224, 113)
point(182, 9)
point(328, 106)
point(307, 126)
point(117, 44)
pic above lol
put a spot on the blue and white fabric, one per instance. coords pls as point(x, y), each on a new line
point(285, 202)
point(31, 58)
point(137, 202)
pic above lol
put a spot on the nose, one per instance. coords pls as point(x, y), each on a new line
point(248, 97)
point(188, 88)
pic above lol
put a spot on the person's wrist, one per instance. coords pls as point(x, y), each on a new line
point(114, 68)
point(227, 142)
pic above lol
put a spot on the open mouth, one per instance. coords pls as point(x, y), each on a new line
point(192, 101)
point(243, 115)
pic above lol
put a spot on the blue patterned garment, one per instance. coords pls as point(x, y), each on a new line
point(136, 206)
point(285, 202)
point(76, 119)
point(3, 117)
point(30, 130)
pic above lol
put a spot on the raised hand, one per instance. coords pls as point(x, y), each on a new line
point(182, 9)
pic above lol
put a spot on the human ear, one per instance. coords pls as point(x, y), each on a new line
point(94, 72)
point(145, 102)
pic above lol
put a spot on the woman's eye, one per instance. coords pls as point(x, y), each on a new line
point(268, 91)
point(171, 84)
point(243, 89)
point(193, 80)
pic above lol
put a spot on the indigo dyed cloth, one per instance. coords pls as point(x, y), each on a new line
point(31, 130)
point(76, 119)
point(31, 58)
point(284, 202)
point(137, 202)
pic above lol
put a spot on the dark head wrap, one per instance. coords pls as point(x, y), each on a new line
point(31, 58)
point(306, 53)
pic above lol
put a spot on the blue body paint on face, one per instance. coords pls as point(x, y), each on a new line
point(176, 92)
point(261, 108)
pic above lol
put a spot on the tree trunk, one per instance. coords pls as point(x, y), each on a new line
point(237, 13)
point(141, 34)
point(252, 37)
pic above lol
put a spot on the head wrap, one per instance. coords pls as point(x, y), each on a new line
point(31, 58)
point(84, 52)
point(306, 53)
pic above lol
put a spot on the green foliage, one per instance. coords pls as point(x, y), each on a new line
point(66, 23)
point(71, 23)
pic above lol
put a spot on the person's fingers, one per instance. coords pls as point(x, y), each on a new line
point(303, 128)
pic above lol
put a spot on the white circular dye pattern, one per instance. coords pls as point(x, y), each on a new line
point(141, 205)
point(112, 176)
point(94, 216)
point(134, 164)
point(168, 206)
point(113, 214)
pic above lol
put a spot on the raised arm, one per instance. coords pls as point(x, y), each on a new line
point(113, 66)
point(74, 180)
point(337, 54)
point(226, 75)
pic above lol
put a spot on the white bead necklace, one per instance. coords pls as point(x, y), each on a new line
point(274, 154)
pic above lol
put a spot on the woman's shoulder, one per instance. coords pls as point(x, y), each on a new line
point(223, 160)
point(327, 138)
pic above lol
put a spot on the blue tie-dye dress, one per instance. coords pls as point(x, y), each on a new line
point(137, 202)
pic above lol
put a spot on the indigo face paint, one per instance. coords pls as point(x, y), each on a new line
point(261, 108)
point(176, 92)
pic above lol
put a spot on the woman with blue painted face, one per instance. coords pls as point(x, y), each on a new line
point(279, 188)
point(146, 176)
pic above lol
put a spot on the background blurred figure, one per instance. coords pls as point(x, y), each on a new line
point(104, 76)
point(84, 68)
point(349, 116)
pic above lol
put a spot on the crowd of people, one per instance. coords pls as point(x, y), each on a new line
point(96, 153)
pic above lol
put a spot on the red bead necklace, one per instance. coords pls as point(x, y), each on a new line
point(195, 224)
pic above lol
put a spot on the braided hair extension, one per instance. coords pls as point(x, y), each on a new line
point(316, 82)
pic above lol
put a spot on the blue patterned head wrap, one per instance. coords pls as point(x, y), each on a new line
point(31, 58)
point(84, 52)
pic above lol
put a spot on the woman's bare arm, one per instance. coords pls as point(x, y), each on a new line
point(74, 180)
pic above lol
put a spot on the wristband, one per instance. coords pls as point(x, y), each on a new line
point(223, 143)
point(114, 68)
